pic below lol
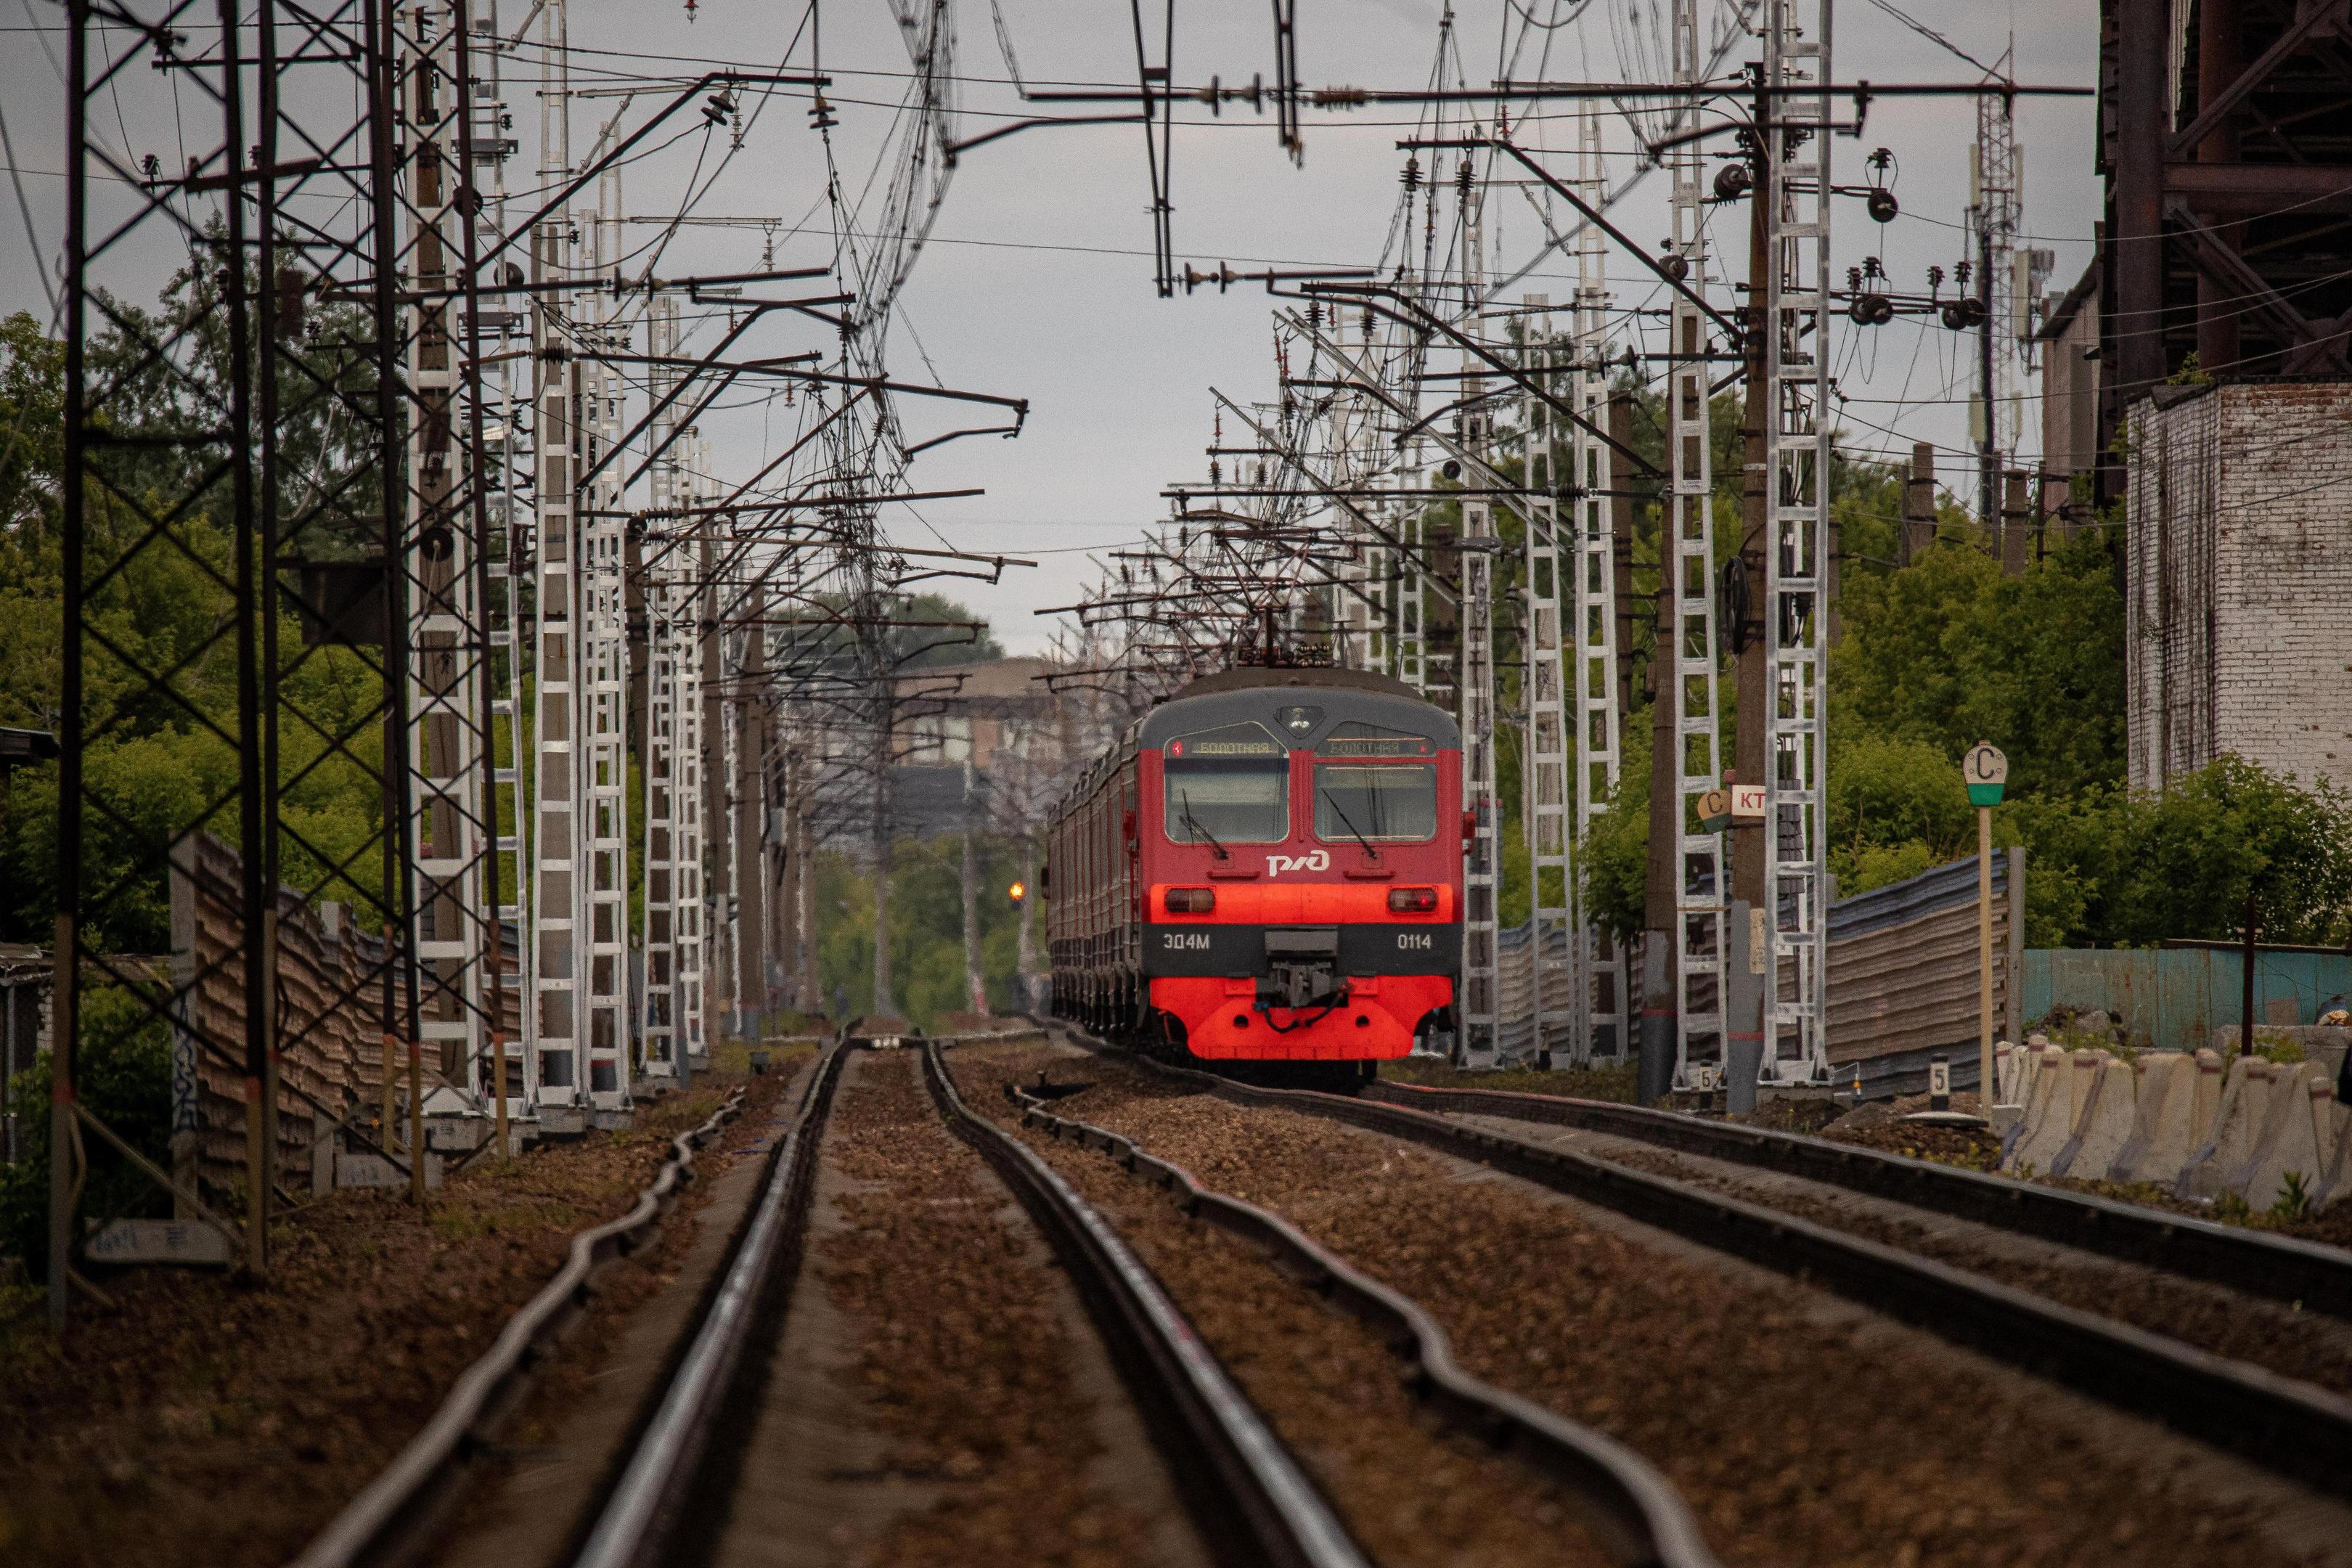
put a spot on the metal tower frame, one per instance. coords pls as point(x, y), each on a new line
point(671, 923)
point(1473, 668)
point(1545, 790)
point(450, 678)
point(1687, 549)
point(554, 1024)
point(1797, 323)
point(291, 321)
point(1592, 634)
point(603, 888)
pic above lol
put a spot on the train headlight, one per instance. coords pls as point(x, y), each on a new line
point(1189, 900)
point(1412, 901)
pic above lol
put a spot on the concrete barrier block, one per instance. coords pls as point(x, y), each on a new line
point(2272, 1123)
point(2015, 1067)
point(2004, 1073)
point(2110, 1109)
point(2237, 1128)
point(2338, 1153)
point(2164, 1125)
point(2291, 1139)
point(2205, 1111)
point(2049, 1116)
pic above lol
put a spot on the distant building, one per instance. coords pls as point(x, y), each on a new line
point(1024, 736)
point(2069, 339)
point(2238, 579)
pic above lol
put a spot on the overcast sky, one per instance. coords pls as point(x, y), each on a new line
point(1037, 280)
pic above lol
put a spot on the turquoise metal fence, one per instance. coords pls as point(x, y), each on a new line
point(2174, 997)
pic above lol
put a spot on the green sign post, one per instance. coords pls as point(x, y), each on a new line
point(1986, 770)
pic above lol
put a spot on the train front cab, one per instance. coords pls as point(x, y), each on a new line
point(1301, 868)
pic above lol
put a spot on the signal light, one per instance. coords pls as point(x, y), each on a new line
point(1189, 900)
point(1018, 892)
point(1412, 901)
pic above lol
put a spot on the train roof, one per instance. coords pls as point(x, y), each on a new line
point(1245, 678)
point(1228, 695)
point(1332, 697)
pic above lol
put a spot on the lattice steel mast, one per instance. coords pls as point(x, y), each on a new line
point(1546, 788)
point(557, 1021)
point(1796, 564)
point(1688, 668)
point(1592, 633)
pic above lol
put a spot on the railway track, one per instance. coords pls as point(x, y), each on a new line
point(749, 1450)
point(1430, 1228)
point(1630, 1510)
point(686, 1491)
point(2293, 1428)
point(2303, 1274)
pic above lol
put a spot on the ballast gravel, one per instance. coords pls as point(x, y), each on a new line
point(938, 1416)
point(1801, 1430)
point(2269, 1334)
point(1411, 1494)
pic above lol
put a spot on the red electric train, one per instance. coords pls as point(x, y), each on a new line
point(1265, 868)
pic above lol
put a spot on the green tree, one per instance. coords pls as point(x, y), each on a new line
point(1949, 651)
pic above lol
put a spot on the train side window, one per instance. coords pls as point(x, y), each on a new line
point(1228, 786)
point(1378, 803)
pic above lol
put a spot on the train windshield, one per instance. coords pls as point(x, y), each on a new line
point(1227, 786)
point(1367, 789)
point(1379, 802)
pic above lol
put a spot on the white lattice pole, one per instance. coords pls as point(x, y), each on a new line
point(557, 1020)
point(1796, 560)
point(1592, 657)
point(449, 794)
point(1690, 667)
point(670, 648)
point(1545, 768)
point(603, 882)
point(508, 447)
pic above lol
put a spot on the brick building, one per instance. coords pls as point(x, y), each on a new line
point(2238, 579)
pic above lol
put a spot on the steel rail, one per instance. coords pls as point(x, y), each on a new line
point(1244, 1489)
point(665, 1459)
point(1638, 1518)
point(2282, 1424)
point(2313, 1277)
point(393, 1519)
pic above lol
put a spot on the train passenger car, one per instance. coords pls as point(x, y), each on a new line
point(1267, 867)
